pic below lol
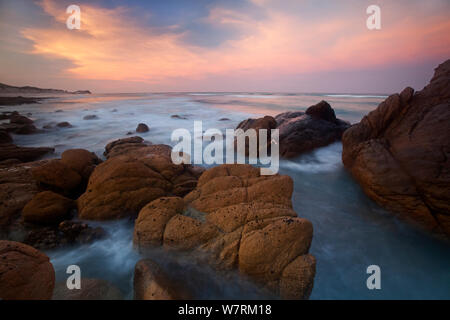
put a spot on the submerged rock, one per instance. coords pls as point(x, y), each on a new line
point(240, 220)
point(64, 124)
point(91, 289)
point(142, 127)
point(152, 283)
point(25, 273)
point(400, 153)
point(90, 117)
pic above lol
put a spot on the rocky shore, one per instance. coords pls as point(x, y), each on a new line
point(400, 153)
point(228, 217)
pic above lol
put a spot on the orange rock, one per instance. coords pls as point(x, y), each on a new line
point(25, 273)
point(240, 220)
point(46, 208)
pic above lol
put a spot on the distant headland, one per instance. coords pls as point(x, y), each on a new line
point(4, 88)
point(11, 95)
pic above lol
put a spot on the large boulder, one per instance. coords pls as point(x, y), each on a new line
point(25, 273)
point(57, 175)
point(17, 188)
point(300, 132)
point(241, 220)
point(80, 160)
point(400, 153)
point(152, 283)
point(91, 289)
point(47, 207)
point(127, 181)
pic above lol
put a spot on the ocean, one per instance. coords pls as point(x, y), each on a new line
point(351, 232)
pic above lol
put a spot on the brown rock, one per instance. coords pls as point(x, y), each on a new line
point(240, 220)
point(80, 160)
point(58, 175)
point(142, 127)
point(47, 207)
point(400, 153)
point(152, 283)
point(64, 124)
point(300, 132)
point(123, 184)
point(91, 289)
point(17, 187)
point(25, 273)
point(24, 154)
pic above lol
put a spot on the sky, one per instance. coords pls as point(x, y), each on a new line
point(223, 45)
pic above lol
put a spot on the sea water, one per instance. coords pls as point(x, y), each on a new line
point(351, 232)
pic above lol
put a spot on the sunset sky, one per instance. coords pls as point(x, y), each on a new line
point(223, 45)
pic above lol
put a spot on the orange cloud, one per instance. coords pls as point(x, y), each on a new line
point(112, 46)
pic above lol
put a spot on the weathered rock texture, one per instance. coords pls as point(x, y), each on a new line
point(47, 207)
point(400, 153)
point(301, 131)
point(133, 175)
point(17, 188)
point(25, 273)
point(240, 220)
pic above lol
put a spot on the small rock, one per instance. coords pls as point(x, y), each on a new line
point(142, 127)
point(90, 117)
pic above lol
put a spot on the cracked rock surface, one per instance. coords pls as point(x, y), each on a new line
point(399, 153)
point(241, 220)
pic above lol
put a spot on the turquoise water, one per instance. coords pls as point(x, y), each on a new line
point(350, 231)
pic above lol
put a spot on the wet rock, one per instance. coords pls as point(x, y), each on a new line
point(176, 116)
point(152, 283)
point(224, 119)
point(17, 188)
point(301, 132)
point(56, 174)
point(80, 160)
point(25, 273)
point(24, 154)
point(400, 153)
point(142, 127)
point(240, 220)
point(91, 289)
point(66, 233)
point(90, 117)
point(47, 207)
point(122, 146)
point(122, 185)
point(19, 119)
point(64, 124)
point(5, 137)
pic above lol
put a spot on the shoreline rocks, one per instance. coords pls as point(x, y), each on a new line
point(399, 153)
point(240, 220)
point(299, 131)
point(134, 175)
